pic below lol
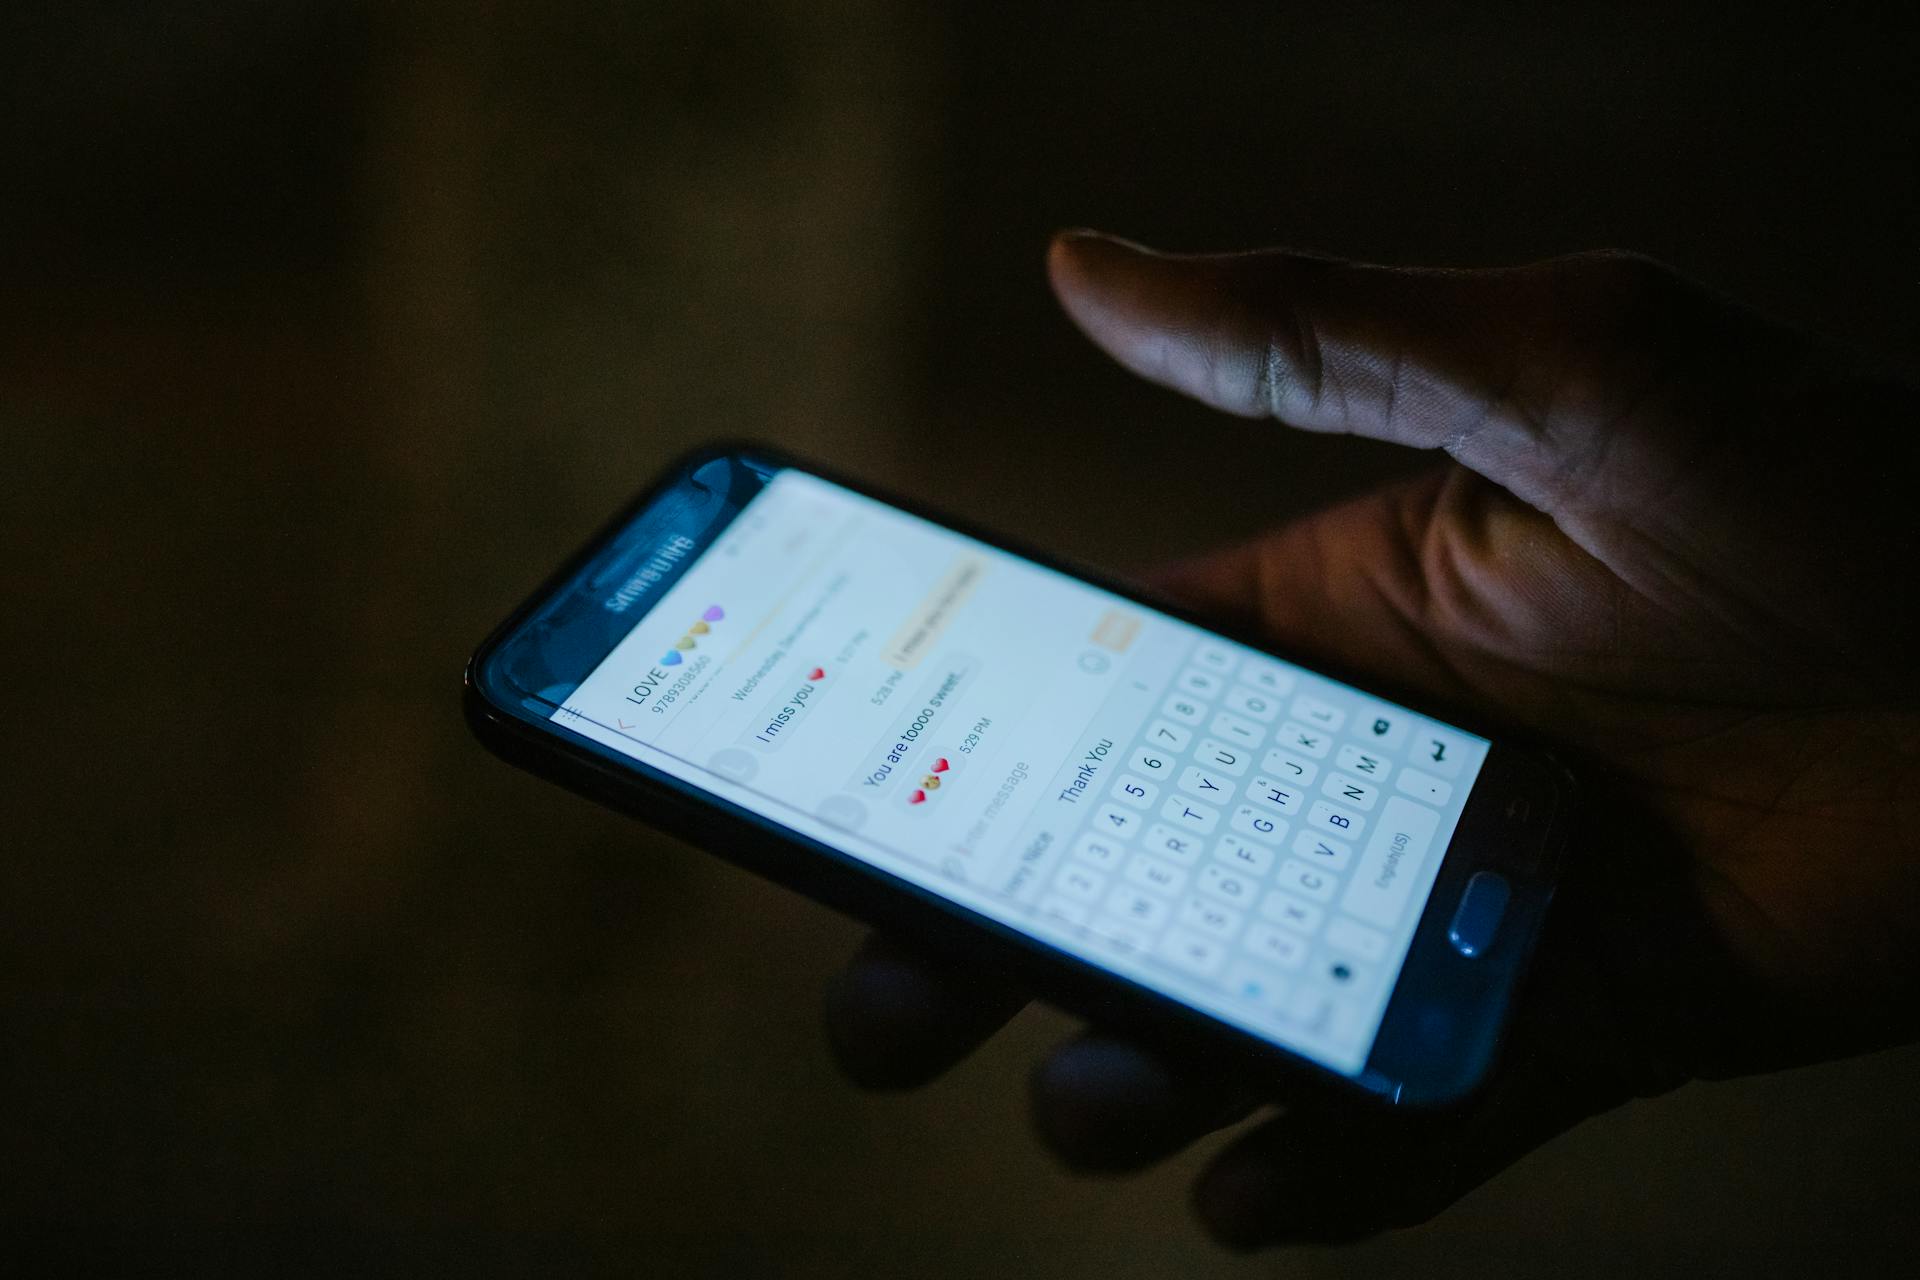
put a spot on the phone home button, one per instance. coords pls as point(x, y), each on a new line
point(1477, 918)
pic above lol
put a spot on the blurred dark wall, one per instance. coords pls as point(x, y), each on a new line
point(325, 329)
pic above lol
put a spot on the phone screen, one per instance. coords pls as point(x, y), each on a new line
point(1233, 831)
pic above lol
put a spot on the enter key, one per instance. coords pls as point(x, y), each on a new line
point(1390, 869)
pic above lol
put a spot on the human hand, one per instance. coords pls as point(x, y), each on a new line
point(1672, 537)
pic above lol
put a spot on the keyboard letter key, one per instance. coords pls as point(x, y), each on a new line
point(1337, 822)
point(1364, 762)
point(1275, 946)
point(1300, 740)
point(1190, 814)
point(1193, 952)
point(1342, 789)
point(1224, 757)
point(1275, 793)
point(1288, 767)
point(1251, 702)
point(1258, 824)
point(1168, 843)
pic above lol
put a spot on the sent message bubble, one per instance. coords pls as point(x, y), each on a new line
point(923, 627)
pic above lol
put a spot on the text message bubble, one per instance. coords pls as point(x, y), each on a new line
point(780, 716)
point(923, 627)
point(913, 733)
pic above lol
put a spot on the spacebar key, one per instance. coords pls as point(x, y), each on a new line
point(1390, 868)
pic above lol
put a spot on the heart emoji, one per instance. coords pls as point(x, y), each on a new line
point(713, 613)
point(817, 674)
point(940, 765)
point(699, 629)
point(918, 797)
point(930, 782)
point(686, 642)
point(672, 659)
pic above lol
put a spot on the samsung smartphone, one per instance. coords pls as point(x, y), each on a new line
point(1153, 823)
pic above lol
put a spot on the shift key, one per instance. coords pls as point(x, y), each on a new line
point(1390, 868)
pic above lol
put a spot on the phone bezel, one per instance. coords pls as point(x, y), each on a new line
point(1439, 1035)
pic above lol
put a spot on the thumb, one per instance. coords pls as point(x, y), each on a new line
point(1533, 376)
point(1441, 587)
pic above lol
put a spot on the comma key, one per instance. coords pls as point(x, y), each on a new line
point(1257, 985)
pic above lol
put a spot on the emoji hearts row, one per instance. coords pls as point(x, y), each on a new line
point(929, 783)
point(687, 643)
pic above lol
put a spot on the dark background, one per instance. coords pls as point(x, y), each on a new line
point(326, 329)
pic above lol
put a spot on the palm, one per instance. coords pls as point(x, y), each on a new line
point(1734, 789)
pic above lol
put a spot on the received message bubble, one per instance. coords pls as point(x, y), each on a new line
point(780, 716)
point(906, 751)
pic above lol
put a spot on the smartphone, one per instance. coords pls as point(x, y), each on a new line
point(1153, 823)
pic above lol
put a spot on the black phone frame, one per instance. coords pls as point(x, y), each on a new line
point(1440, 1033)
